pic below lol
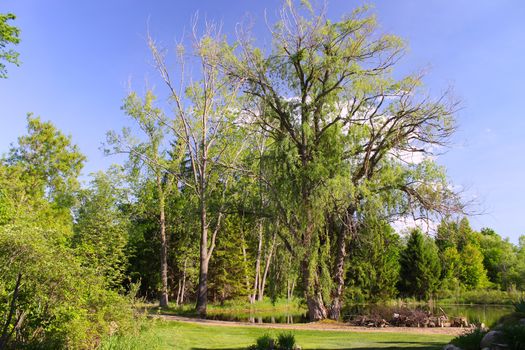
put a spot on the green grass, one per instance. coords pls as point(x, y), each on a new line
point(239, 308)
point(187, 336)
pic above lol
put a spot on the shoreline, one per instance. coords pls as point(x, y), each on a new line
point(319, 326)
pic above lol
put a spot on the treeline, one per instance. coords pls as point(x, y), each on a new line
point(454, 260)
point(258, 173)
point(58, 287)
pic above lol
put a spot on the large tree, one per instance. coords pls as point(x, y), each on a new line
point(155, 158)
point(344, 137)
point(204, 122)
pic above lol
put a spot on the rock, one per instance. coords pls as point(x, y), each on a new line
point(451, 347)
point(489, 339)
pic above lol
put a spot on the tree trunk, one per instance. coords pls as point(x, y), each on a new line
point(183, 290)
point(179, 288)
point(202, 290)
point(257, 265)
point(245, 261)
point(262, 283)
point(314, 299)
point(336, 304)
point(6, 334)
point(339, 268)
point(163, 302)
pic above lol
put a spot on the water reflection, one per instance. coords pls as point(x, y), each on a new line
point(487, 314)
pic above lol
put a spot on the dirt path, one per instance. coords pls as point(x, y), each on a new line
point(322, 326)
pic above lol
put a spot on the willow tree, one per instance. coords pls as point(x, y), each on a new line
point(342, 129)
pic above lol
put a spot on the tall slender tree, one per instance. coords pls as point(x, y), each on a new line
point(159, 157)
point(204, 119)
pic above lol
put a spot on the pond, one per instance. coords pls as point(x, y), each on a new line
point(253, 316)
point(487, 314)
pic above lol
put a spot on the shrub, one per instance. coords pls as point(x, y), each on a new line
point(58, 304)
point(519, 306)
point(469, 341)
point(286, 341)
point(265, 342)
point(514, 336)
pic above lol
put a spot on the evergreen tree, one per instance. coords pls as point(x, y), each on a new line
point(419, 267)
point(374, 263)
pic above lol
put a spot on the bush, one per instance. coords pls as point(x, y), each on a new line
point(58, 304)
point(469, 341)
point(514, 336)
point(144, 337)
point(265, 342)
point(285, 341)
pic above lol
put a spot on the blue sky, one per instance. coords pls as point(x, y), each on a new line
point(78, 57)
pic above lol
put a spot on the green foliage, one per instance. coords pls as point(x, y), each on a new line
point(9, 35)
point(143, 337)
point(51, 163)
point(266, 342)
point(464, 254)
point(514, 336)
point(58, 304)
point(519, 306)
point(474, 274)
point(101, 229)
point(469, 341)
point(420, 267)
point(284, 341)
point(228, 268)
point(373, 269)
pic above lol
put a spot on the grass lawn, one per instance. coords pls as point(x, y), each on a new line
point(188, 336)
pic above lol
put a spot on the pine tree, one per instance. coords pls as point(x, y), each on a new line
point(420, 267)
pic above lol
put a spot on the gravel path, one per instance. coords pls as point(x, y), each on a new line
point(322, 326)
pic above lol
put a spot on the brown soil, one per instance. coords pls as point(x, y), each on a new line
point(323, 326)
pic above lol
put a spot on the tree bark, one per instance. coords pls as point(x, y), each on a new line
point(339, 269)
point(262, 282)
point(336, 304)
point(202, 290)
point(163, 302)
point(257, 265)
point(245, 261)
point(314, 300)
point(183, 290)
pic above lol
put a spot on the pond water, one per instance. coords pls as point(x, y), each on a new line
point(260, 317)
point(487, 314)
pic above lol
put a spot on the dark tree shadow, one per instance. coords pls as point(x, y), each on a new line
point(409, 345)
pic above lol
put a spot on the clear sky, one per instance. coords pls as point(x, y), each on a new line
point(78, 57)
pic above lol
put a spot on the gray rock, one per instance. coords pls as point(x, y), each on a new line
point(489, 339)
point(451, 347)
